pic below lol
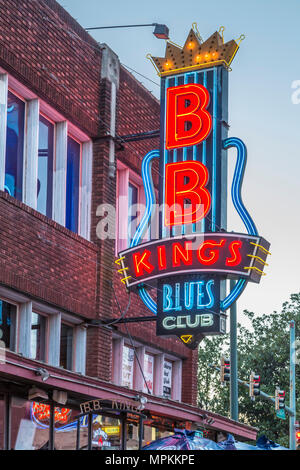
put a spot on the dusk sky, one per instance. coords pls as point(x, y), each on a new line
point(261, 111)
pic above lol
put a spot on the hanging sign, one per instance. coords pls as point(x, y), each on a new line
point(195, 254)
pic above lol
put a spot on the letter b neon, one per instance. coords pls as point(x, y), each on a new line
point(186, 181)
point(188, 121)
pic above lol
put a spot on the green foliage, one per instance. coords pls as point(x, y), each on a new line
point(264, 349)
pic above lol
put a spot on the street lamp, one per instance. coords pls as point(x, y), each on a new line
point(161, 31)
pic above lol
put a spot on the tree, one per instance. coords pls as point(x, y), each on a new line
point(264, 349)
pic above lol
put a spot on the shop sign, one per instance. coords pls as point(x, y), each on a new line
point(148, 373)
point(40, 414)
point(167, 379)
point(196, 253)
point(119, 405)
point(127, 367)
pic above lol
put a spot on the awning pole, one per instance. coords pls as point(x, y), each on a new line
point(78, 435)
point(90, 430)
point(141, 432)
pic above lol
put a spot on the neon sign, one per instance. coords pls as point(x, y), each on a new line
point(188, 120)
point(186, 181)
point(227, 254)
point(196, 254)
point(40, 413)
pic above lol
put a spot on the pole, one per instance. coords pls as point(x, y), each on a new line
point(234, 397)
point(141, 432)
point(292, 385)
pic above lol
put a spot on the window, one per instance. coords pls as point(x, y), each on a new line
point(167, 379)
point(132, 211)
point(73, 183)
point(127, 367)
point(38, 335)
point(149, 373)
point(45, 167)
point(8, 317)
point(66, 346)
point(14, 146)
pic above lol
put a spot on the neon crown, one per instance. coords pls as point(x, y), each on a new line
point(196, 54)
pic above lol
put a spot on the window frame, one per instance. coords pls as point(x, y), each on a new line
point(73, 326)
point(16, 338)
point(47, 112)
point(80, 143)
point(21, 98)
point(46, 339)
point(44, 116)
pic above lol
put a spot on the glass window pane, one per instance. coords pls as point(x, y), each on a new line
point(45, 167)
point(27, 432)
point(132, 211)
point(167, 379)
point(66, 346)
point(14, 146)
point(38, 331)
point(73, 181)
point(106, 433)
point(148, 373)
point(127, 367)
point(8, 324)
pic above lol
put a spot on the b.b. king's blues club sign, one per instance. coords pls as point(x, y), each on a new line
point(190, 263)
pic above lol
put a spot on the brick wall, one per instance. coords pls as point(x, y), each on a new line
point(45, 260)
point(44, 48)
point(48, 51)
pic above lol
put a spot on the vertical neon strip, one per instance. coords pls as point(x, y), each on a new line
point(204, 146)
point(214, 160)
point(165, 162)
point(184, 154)
point(195, 152)
point(184, 151)
point(195, 146)
point(175, 150)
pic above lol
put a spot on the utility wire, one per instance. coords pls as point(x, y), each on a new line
point(131, 341)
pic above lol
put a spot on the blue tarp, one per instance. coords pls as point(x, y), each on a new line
point(190, 440)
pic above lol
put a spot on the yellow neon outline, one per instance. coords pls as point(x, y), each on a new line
point(227, 64)
point(118, 260)
point(190, 337)
point(125, 279)
point(221, 32)
point(149, 57)
point(256, 269)
point(121, 270)
point(173, 43)
point(259, 259)
point(261, 247)
point(196, 31)
point(206, 64)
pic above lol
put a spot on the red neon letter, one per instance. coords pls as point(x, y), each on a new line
point(186, 181)
point(182, 254)
point(213, 253)
point(236, 257)
point(161, 255)
point(188, 122)
point(141, 263)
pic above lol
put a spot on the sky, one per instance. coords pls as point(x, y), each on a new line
point(261, 109)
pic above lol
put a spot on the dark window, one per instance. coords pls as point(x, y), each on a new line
point(73, 181)
point(38, 330)
point(14, 146)
point(132, 211)
point(66, 346)
point(45, 167)
point(8, 314)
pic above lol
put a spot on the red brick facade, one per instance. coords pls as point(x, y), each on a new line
point(46, 50)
